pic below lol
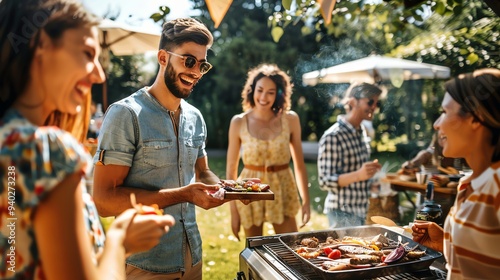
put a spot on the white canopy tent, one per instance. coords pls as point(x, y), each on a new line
point(123, 39)
point(374, 69)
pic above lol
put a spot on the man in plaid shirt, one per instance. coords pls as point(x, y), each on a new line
point(344, 164)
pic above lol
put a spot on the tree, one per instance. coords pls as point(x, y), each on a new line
point(125, 76)
point(243, 41)
point(463, 41)
point(460, 34)
point(298, 40)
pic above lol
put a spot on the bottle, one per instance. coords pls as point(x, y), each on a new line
point(430, 210)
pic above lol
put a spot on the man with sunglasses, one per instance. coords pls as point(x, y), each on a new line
point(344, 164)
point(152, 144)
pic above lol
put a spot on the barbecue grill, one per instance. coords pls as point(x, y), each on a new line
point(266, 257)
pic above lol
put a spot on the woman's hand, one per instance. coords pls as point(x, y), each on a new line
point(428, 234)
point(306, 214)
point(143, 232)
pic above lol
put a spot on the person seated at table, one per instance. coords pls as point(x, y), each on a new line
point(432, 160)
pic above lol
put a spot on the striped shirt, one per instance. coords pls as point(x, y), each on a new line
point(472, 229)
point(344, 149)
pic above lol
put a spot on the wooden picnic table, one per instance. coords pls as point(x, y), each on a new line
point(401, 185)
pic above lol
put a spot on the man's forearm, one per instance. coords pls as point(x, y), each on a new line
point(208, 177)
point(339, 180)
point(113, 202)
point(348, 178)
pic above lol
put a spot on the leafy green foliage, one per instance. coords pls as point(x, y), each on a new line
point(277, 32)
point(161, 15)
point(242, 41)
point(464, 41)
point(287, 4)
point(125, 76)
point(460, 34)
point(457, 33)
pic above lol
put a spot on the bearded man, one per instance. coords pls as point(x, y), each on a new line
point(152, 144)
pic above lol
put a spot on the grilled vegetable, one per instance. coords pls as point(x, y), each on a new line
point(395, 255)
point(334, 254)
point(327, 251)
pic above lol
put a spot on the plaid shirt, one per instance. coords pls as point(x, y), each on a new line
point(343, 149)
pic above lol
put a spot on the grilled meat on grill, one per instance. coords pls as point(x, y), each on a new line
point(312, 242)
point(415, 255)
point(358, 250)
point(363, 259)
point(334, 265)
point(303, 252)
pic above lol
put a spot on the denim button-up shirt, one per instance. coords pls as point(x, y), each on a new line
point(139, 132)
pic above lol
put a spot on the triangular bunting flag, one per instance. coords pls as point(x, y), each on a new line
point(218, 9)
point(326, 7)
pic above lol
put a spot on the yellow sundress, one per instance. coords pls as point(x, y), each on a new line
point(274, 152)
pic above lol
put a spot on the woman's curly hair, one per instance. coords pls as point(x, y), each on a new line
point(278, 76)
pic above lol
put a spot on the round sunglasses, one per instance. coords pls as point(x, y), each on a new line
point(371, 102)
point(190, 62)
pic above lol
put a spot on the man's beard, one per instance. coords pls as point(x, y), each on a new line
point(169, 78)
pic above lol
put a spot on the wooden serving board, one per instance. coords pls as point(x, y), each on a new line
point(267, 195)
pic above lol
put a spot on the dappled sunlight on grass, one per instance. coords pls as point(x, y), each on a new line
point(220, 248)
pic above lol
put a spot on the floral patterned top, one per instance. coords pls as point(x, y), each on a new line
point(33, 160)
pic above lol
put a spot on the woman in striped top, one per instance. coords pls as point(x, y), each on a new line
point(469, 127)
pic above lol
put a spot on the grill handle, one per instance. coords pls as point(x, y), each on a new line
point(240, 275)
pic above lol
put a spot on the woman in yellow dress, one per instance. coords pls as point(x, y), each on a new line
point(268, 135)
